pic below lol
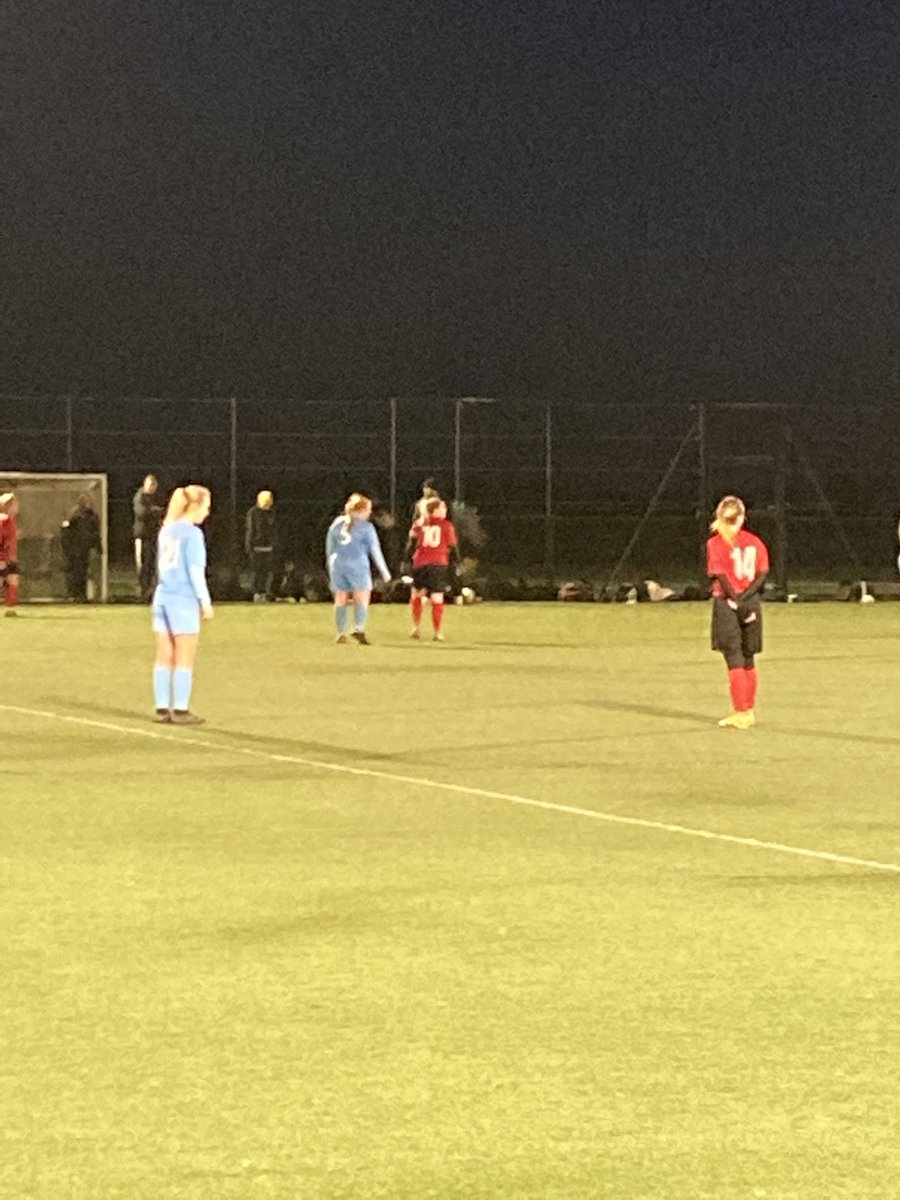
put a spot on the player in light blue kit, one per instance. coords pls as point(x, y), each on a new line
point(181, 597)
point(351, 545)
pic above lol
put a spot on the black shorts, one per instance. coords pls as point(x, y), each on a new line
point(11, 568)
point(432, 579)
point(737, 638)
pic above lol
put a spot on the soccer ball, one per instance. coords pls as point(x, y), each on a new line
point(468, 595)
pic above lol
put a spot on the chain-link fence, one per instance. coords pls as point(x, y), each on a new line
point(561, 487)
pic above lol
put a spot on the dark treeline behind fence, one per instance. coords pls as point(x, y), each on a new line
point(562, 488)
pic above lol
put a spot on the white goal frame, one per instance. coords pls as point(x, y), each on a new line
point(86, 478)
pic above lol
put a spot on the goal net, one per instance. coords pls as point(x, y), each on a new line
point(45, 502)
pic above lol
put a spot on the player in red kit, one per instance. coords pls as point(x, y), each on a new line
point(432, 543)
point(737, 562)
point(9, 549)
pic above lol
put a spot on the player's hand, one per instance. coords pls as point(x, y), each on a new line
point(733, 605)
point(407, 579)
point(208, 613)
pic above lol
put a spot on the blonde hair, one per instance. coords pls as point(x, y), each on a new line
point(265, 499)
point(728, 506)
point(356, 502)
point(184, 501)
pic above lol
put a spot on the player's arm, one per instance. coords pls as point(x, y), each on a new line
point(717, 568)
point(727, 590)
point(410, 549)
point(753, 589)
point(331, 546)
point(453, 548)
point(195, 561)
point(376, 555)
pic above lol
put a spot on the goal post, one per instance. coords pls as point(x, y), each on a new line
point(45, 502)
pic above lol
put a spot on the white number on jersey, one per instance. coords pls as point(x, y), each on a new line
point(744, 559)
point(169, 553)
point(431, 536)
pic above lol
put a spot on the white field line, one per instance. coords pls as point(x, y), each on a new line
point(461, 789)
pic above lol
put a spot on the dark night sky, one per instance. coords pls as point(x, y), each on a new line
point(323, 197)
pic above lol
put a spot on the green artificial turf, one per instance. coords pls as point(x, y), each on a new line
point(228, 972)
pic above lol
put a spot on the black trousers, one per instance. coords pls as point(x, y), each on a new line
point(146, 566)
point(76, 578)
point(262, 561)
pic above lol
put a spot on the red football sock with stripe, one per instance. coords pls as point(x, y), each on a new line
point(737, 683)
point(415, 606)
point(12, 594)
point(750, 683)
point(437, 615)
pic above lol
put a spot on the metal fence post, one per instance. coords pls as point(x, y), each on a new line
point(70, 453)
point(549, 564)
point(233, 464)
point(393, 455)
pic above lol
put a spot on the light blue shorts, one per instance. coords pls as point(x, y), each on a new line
point(175, 616)
point(351, 581)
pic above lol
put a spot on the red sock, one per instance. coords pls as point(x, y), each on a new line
point(750, 682)
point(437, 615)
point(12, 594)
point(415, 605)
point(737, 683)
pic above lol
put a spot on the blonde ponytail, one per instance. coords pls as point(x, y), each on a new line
point(355, 503)
point(185, 500)
point(727, 508)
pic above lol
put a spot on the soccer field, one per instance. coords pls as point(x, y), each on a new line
point(378, 929)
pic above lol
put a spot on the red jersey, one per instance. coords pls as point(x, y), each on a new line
point(740, 563)
point(434, 540)
point(9, 538)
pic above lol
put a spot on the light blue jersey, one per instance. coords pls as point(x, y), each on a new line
point(182, 589)
point(349, 552)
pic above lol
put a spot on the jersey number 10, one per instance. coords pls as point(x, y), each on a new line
point(431, 536)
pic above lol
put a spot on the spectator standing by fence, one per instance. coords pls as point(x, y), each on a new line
point(261, 543)
point(80, 535)
point(148, 512)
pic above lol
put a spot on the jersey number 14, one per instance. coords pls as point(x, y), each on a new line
point(744, 559)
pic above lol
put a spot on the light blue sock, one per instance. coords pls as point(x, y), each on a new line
point(340, 617)
point(182, 678)
point(162, 686)
point(360, 613)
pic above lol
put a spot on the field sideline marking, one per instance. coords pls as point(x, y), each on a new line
point(464, 790)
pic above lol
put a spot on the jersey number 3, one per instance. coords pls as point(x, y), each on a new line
point(744, 559)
